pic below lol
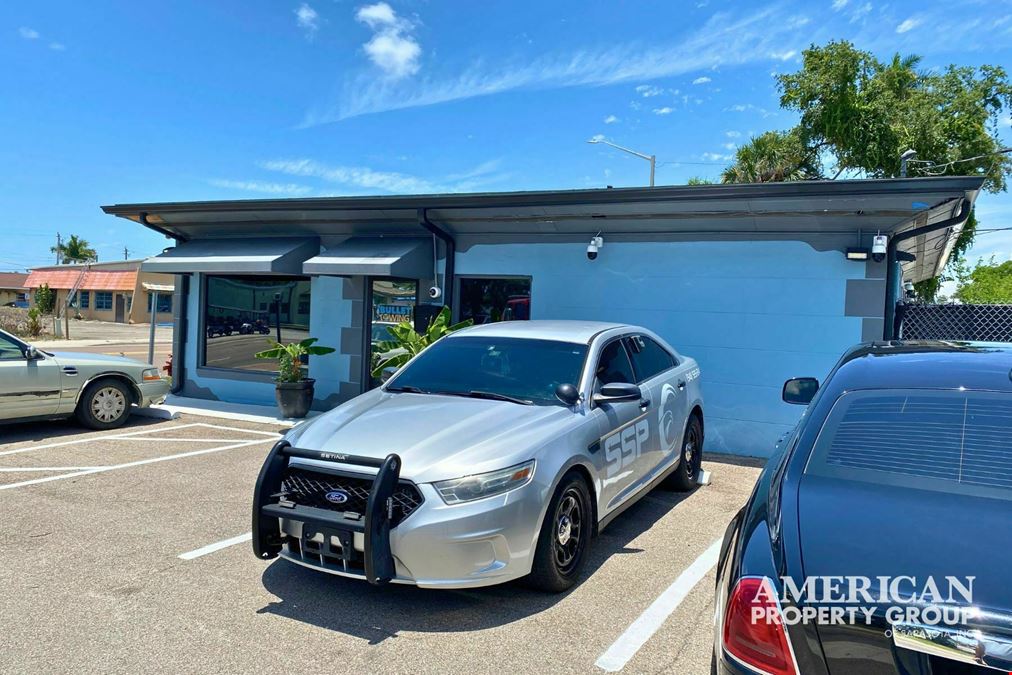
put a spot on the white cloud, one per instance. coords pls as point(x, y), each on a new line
point(263, 187)
point(730, 146)
point(748, 107)
point(839, 4)
point(393, 47)
point(57, 46)
point(307, 19)
point(908, 25)
point(701, 80)
point(716, 157)
point(365, 178)
point(784, 55)
point(732, 134)
point(666, 110)
point(648, 90)
point(1005, 121)
point(860, 12)
point(28, 33)
point(611, 119)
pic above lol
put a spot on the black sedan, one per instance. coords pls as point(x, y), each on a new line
point(878, 538)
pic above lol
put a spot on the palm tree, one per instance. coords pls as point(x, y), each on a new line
point(75, 250)
point(774, 156)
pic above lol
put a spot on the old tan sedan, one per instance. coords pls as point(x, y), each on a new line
point(98, 390)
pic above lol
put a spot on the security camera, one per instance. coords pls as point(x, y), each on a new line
point(435, 292)
point(593, 246)
point(878, 247)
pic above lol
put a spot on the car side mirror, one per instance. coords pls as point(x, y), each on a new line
point(616, 392)
point(567, 393)
point(800, 390)
point(31, 353)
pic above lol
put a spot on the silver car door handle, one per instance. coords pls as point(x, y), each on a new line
point(681, 385)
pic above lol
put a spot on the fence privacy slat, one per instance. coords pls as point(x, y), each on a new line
point(986, 323)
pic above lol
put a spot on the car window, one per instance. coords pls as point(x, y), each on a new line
point(948, 441)
point(613, 365)
point(648, 357)
point(9, 350)
point(527, 369)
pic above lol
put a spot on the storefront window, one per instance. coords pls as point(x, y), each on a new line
point(243, 314)
point(393, 301)
point(103, 300)
point(164, 303)
point(488, 300)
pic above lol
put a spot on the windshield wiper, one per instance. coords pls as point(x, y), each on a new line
point(493, 396)
point(409, 389)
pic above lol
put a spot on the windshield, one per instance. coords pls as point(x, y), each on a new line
point(522, 369)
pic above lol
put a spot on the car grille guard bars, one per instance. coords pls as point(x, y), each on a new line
point(267, 537)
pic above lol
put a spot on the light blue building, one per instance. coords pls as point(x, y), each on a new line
point(759, 283)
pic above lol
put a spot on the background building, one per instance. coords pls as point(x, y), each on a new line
point(114, 291)
point(759, 282)
point(12, 289)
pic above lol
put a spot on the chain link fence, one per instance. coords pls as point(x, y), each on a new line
point(988, 323)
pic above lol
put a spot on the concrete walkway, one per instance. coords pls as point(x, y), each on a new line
point(243, 412)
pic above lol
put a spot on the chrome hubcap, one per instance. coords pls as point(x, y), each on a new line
point(565, 530)
point(108, 404)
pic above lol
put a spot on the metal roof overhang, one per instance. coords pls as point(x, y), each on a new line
point(261, 255)
point(375, 256)
point(888, 206)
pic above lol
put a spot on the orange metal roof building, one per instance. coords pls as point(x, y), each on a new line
point(94, 280)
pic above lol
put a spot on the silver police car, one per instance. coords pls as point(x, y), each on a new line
point(497, 453)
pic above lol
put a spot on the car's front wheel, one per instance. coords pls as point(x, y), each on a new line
point(104, 405)
point(565, 536)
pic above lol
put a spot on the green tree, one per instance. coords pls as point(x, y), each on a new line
point(985, 284)
point(859, 114)
point(771, 157)
point(405, 343)
point(698, 180)
point(45, 299)
point(75, 250)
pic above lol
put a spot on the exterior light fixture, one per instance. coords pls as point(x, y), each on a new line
point(854, 253)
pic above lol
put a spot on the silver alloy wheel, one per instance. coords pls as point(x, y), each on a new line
point(108, 404)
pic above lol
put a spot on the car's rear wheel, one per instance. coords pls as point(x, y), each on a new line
point(684, 477)
point(104, 404)
point(565, 536)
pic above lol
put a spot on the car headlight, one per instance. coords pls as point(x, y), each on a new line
point(483, 485)
point(150, 374)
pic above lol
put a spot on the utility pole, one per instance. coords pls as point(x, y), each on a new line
point(126, 253)
point(59, 247)
point(650, 158)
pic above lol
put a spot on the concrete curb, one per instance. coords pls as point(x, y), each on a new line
point(243, 412)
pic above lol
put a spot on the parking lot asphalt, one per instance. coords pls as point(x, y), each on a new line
point(92, 578)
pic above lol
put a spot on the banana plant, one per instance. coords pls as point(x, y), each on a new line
point(406, 342)
point(289, 357)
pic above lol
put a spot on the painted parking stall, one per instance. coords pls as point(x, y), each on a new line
point(144, 552)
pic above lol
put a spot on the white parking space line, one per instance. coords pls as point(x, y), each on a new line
point(643, 628)
point(132, 436)
point(88, 439)
point(48, 468)
point(128, 465)
point(217, 546)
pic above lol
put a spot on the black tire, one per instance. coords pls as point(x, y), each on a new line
point(105, 404)
point(684, 477)
point(565, 537)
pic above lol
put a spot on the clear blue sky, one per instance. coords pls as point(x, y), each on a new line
point(109, 102)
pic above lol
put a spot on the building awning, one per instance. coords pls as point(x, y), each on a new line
point(375, 256)
point(231, 256)
point(157, 288)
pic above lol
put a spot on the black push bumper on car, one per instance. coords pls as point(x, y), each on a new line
point(270, 504)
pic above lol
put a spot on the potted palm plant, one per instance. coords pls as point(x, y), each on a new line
point(293, 391)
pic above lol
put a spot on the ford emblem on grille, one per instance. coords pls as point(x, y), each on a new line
point(336, 496)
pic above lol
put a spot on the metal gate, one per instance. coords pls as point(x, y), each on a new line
point(987, 323)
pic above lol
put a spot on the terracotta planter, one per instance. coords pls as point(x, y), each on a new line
point(294, 398)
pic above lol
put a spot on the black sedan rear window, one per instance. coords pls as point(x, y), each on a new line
point(948, 440)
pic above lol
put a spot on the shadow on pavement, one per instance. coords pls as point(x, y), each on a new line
point(54, 430)
point(375, 613)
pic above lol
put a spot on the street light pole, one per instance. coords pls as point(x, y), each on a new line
point(650, 158)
